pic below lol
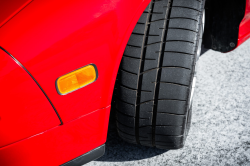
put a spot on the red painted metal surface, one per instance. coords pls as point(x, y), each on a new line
point(60, 144)
point(51, 38)
point(25, 111)
point(244, 30)
point(10, 8)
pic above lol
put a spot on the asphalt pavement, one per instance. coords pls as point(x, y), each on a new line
point(220, 130)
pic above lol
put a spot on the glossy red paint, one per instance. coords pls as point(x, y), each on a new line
point(10, 8)
point(25, 111)
point(244, 30)
point(60, 144)
point(52, 38)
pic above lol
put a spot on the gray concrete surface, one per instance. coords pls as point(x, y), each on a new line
point(220, 131)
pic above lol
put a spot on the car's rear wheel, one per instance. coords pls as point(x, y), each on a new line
point(156, 78)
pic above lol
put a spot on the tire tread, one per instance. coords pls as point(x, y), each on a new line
point(154, 79)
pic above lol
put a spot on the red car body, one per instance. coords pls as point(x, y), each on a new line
point(244, 29)
point(41, 40)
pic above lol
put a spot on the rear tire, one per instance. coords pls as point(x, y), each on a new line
point(155, 78)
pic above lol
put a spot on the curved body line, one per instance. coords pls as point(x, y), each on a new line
point(244, 33)
point(34, 80)
point(15, 13)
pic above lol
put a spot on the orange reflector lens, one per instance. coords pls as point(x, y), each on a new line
point(76, 79)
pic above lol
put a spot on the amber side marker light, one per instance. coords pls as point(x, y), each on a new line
point(76, 79)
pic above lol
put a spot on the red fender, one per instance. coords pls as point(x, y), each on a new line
point(244, 30)
point(51, 38)
point(25, 111)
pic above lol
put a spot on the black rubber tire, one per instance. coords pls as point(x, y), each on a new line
point(155, 76)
